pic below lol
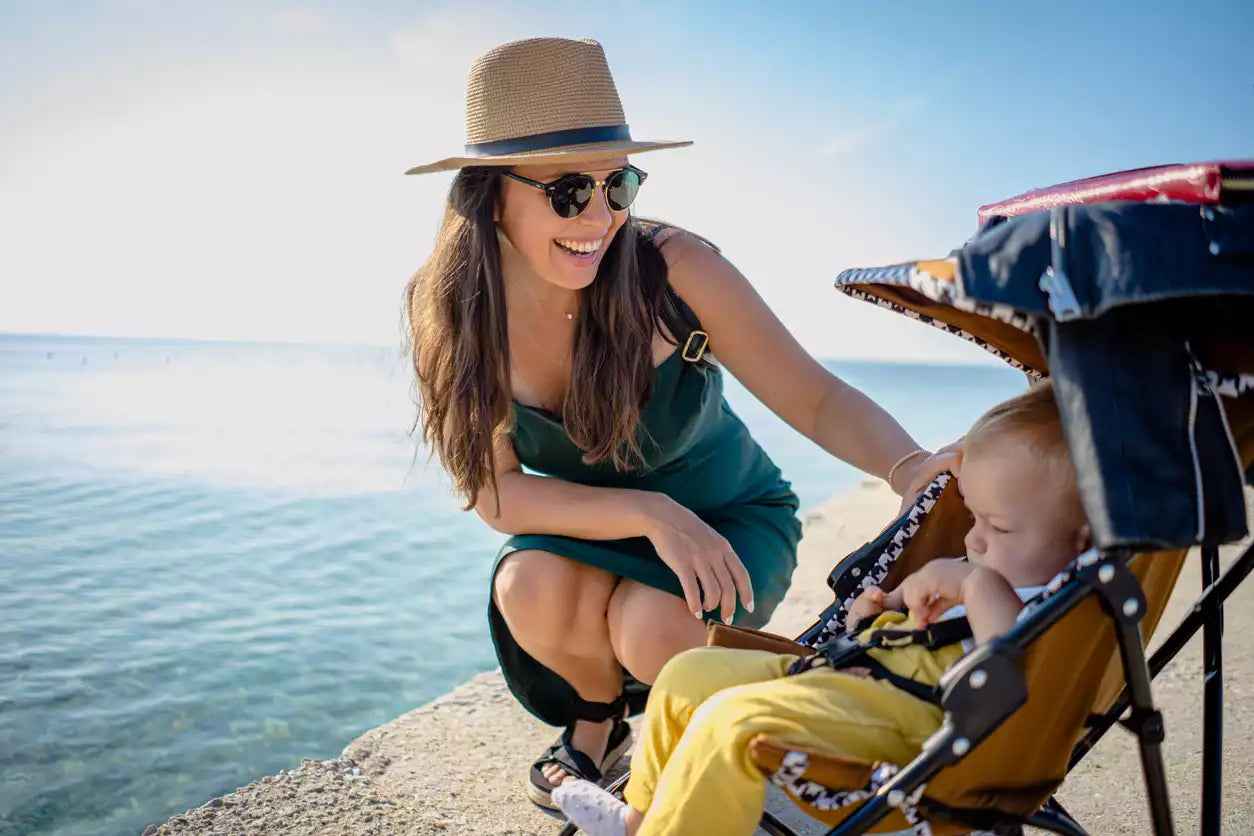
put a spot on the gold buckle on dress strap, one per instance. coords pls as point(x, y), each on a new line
point(702, 340)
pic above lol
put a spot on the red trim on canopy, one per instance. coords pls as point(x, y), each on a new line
point(1191, 183)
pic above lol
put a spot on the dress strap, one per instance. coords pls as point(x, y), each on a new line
point(698, 342)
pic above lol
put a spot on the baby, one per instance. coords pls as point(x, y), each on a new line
point(692, 772)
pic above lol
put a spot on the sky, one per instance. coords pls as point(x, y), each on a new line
point(233, 170)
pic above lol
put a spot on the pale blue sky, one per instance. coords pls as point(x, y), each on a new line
point(233, 169)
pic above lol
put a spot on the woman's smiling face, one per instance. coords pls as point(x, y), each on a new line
point(563, 251)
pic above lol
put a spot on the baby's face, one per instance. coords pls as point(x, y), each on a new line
point(1026, 527)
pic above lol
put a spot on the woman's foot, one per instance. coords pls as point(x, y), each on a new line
point(592, 809)
point(589, 738)
point(585, 750)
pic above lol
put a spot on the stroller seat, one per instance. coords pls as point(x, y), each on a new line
point(1071, 673)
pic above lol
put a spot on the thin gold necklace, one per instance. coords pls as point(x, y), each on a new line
point(558, 362)
point(555, 361)
point(540, 308)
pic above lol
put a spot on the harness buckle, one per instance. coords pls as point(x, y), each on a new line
point(901, 638)
point(841, 651)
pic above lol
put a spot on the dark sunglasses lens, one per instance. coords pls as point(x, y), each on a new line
point(621, 189)
point(571, 195)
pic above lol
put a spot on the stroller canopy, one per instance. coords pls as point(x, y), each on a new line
point(1143, 315)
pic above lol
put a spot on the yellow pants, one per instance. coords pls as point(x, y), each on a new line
point(691, 772)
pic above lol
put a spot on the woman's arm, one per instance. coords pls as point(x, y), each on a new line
point(755, 347)
point(542, 505)
point(710, 573)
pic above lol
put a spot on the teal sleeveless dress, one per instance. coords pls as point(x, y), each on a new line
point(702, 456)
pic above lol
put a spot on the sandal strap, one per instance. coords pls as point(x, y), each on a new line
point(571, 760)
point(599, 712)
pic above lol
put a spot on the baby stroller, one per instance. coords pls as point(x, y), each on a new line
point(1134, 292)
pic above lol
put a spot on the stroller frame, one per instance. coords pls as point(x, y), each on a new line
point(971, 716)
point(973, 709)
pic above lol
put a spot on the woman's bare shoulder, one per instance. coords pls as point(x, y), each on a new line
point(681, 248)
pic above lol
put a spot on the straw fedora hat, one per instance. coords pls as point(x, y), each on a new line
point(540, 101)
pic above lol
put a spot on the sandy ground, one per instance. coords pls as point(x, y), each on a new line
point(457, 765)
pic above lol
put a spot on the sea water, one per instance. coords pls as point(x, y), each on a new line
point(219, 558)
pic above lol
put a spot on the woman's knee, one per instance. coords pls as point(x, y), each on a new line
point(648, 627)
point(550, 598)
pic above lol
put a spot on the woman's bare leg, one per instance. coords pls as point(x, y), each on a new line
point(555, 608)
point(648, 626)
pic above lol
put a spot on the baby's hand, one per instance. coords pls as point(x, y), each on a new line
point(934, 589)
point(868, 603)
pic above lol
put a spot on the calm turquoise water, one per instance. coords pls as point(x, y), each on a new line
point(216, 559)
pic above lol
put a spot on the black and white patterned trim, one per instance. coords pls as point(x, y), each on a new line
point(945, 292)
point(1227, 384)
point(875, 573)
point(789, 779)
point(858, 293)
point(1231, 384)
point(1060, 580)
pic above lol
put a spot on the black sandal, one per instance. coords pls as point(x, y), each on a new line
point(575, 762)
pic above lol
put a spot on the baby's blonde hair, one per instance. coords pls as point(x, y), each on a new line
point(1030, 419)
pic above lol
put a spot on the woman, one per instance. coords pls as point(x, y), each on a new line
point(552, 330)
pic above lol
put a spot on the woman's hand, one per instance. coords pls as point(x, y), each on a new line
point(935, 588)
point(918, 473)
point(708, 569)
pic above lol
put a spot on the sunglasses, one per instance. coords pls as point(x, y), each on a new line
point(571, 194)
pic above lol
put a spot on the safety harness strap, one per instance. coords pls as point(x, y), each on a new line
point(848, 650)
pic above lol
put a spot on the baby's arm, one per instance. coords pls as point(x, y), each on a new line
point(992, 604)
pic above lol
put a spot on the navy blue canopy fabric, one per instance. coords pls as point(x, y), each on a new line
point(1127, 295)
point(1113, 254)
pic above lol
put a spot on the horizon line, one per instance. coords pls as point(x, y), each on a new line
point(987, 362)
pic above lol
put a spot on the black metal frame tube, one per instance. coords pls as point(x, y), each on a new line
point(774, 826)
point(1211, 597)
point(1136, 672)
point(1213, 707)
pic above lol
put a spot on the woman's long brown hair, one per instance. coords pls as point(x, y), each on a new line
point(458, 336)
